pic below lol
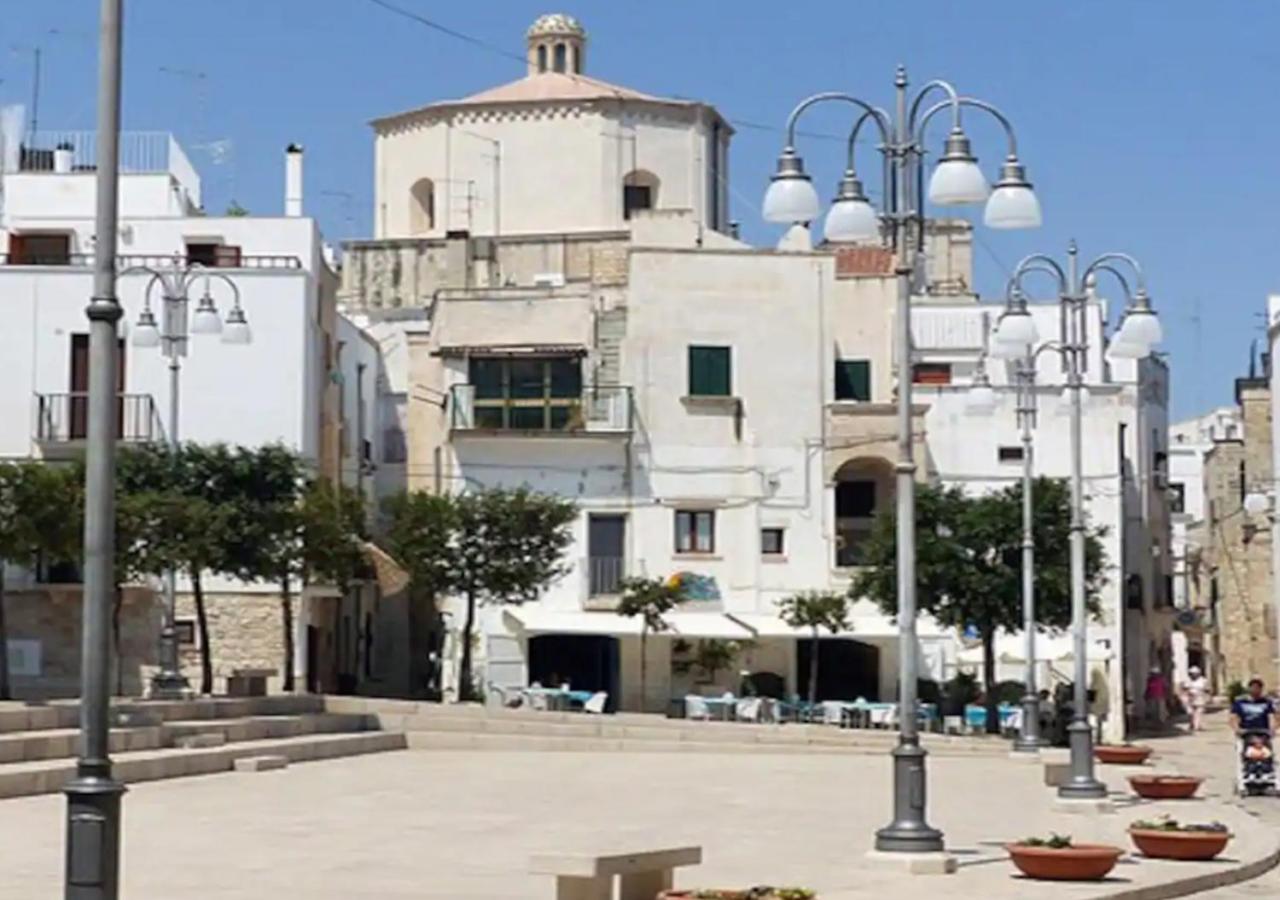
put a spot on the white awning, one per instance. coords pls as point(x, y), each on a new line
point(860, 627)
point(1011, 649)
point(534, 620)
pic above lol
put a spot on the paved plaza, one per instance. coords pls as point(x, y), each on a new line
point(416, 824)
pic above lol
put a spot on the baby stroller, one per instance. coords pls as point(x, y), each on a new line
point(1256, 776)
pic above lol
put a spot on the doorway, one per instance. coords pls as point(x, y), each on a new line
point(606, 552)
point(586, 662)
point(847, 669)
point(77, 423)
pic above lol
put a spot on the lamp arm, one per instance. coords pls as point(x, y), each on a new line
point(1040, 262)
point(976, 104)
point(1101, 264)
point(853, 138)
point(881, 117)
point(953, 100)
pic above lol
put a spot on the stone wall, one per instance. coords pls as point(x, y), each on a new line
point(246, 631)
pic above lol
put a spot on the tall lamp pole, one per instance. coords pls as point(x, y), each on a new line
point(1014, 338)
point(93, 795)
point(957, 180)
point(172, 336)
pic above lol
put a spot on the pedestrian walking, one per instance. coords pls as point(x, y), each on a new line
point(1156, 695)
point(1195, 696)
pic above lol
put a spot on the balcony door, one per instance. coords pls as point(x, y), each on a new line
point(606, 553)
point(78, 399)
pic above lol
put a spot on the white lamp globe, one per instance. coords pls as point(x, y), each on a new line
point(1122, 349)
point(957, 180)
point(981, 398)
point(852, 217)
point(236, 331)
point(1141, 326)
point(791, 196)
point(1017, 327)
point(146, 333)
point(1002, 349)
point(206, 319)
point(1012, 206)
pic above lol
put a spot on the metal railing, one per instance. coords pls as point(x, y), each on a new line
point(152, 261)
point(604, 575)
point(64, 418)
point(595, 410)
point(141, 152)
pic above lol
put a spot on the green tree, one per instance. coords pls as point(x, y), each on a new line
point(39, 519)
point(969, 564)
point(506, 546)
point(650, 599)
point(419, 535)
point(816, 610)
point(714, 655)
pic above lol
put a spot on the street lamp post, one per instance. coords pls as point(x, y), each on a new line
point(172, 336)
point(982, 400)
point(1014, 338)
point(957, 180)
point(92, 866)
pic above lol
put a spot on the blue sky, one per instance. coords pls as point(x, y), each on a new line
point(1145, 124)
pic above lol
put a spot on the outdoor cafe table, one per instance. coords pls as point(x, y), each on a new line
point(559, 698)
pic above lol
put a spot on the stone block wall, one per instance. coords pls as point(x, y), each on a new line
point(246, 631)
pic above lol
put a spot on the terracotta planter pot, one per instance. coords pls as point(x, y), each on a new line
point(1189, 845)
point(1121, 754)
point(1165, 787)
point(1080, 862)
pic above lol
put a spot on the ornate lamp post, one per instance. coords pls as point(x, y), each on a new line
point(956, 180)
point(172, 336)
point(1015, 338)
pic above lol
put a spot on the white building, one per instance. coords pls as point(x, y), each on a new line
point(295, 384)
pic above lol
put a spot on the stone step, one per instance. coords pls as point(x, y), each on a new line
point(197, 741)
point(57, 714)
point(60, 743)
point(264, 763)
point(49, 776)
point(255, 728)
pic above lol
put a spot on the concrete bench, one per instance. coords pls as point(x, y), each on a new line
point(248, 682)
point(589, 876)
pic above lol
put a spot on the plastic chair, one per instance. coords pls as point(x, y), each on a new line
point(748, 709)
point(832, 712)
point(696, 708)
point(595, 704)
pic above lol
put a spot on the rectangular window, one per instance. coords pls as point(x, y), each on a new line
point(527, 393)
point(1177, 497)
point(40, 249)
point(213, 255)
point(853, 380)
point(636, 197)
point(772, 541)
point(710, 372)
point(695, 531)
point(1009, 454)
point(931, 373)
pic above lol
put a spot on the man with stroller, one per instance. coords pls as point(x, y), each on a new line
point(1254, 717)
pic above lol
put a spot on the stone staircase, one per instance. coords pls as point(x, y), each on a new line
point(432, 726)
point(168, 739)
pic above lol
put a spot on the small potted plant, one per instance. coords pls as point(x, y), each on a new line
point(1125, 754)
point(1165, 787)
point(755, 893)
point(1166, 838)
point(1056, 858)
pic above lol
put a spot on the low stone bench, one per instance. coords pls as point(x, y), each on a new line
point(589, 876)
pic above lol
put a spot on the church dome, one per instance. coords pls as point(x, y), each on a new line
point(558, 25)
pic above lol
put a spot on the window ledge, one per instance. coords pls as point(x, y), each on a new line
point(773, 558)
point(706, 557)
point(717, 403)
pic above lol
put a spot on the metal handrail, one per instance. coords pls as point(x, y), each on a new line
point(64, 417)
point(594, 409)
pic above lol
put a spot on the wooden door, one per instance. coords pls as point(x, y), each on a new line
point(78, 399)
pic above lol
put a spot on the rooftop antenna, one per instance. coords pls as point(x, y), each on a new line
point(35, 52)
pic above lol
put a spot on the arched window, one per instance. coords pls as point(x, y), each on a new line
point(639, 191)
point(560, 56)
point(422, 206)
point(542, 57)
point(577, 59)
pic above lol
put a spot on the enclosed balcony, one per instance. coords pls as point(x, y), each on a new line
point(603, 411)
point(62, 421)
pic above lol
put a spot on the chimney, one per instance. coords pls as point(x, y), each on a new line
point(293, 180)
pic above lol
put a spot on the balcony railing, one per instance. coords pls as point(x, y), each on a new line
point(595, 410)
point(604, 575)
point(152, 261)
point(64, 419)
point(141, 153)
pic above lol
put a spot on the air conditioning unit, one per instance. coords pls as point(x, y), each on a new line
point(548, 280)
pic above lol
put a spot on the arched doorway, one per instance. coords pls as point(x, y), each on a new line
point(863, 488)
point(586, 662)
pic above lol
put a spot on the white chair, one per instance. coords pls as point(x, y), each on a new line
point(536, 698)
point(953, 724)
point(695, 707)
point(595, 704)
point(832, 712)
point(748, 709)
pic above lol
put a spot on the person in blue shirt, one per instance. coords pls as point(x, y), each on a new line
point(1255, 711)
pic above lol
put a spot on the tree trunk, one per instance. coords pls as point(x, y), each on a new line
point(5, 691)
point(464, 670)
point(813, 670)
point(989, 681)
point(202, 623)
point(286, 622)
point(644, 664)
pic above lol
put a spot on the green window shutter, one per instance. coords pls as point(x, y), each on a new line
point(853, 380)
point(709, 372)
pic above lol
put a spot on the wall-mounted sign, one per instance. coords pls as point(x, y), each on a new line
point(24, 657)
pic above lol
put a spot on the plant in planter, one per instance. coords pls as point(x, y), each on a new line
point(1165, 787)
point(1166, 838)
point(1056, 858)
point(755, 893)
point(1125, 754)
